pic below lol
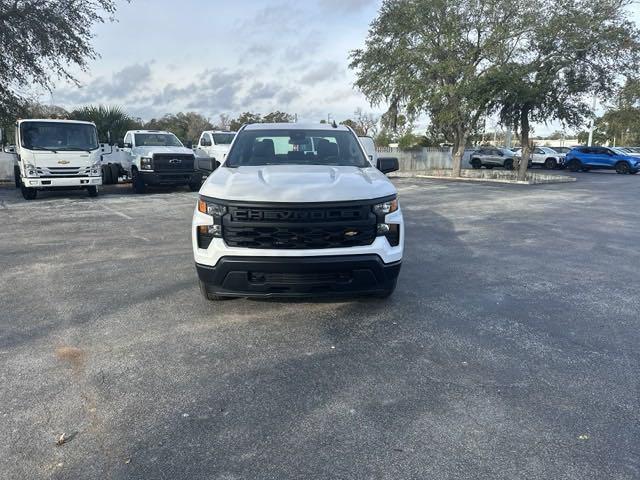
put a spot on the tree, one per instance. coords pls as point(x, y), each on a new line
point(246, 117)
point(435, 56)
point(41, 41)
point(570, 54)
point(37, 110)
point(354, 126)
point(620, 124)
point(383, 138)
point(278, 117)
point(223, 123)
point(367, 123)
point(112, 122)
point(186, 126)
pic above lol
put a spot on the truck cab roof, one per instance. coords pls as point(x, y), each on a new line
point(54, 120)
point(295, 126)
point(163, 132)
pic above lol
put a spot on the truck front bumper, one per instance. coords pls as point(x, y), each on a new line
point(299, 276)
point(64, 182)
point(162, 178)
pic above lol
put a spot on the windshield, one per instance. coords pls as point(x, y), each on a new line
point(56, 136)
point(157, 140)
point(223, 138)
point(296, 147)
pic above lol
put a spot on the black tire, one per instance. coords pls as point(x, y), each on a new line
point(574, 165)
point(28, 193)
point(550, 164)
point(137, 182)
point(115, 172)
point(508, 164)
point(476, 163)
point(622, 168)
point(210, 296)
point(106, 175)
point(16, 176)
point(92, 191)
point(195, 186)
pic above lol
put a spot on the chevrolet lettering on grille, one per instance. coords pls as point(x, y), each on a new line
point(294, 215)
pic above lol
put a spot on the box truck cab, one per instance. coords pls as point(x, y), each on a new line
point(56, 155)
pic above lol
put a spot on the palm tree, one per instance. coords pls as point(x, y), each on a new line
point(112, 122)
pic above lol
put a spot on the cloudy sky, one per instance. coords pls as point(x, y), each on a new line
point(218, 56)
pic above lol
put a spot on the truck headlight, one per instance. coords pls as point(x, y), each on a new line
point(96, 169)
point(391, 231)
point(216, 211)
point(30, 170)
point(386, 207)
point(146, 163)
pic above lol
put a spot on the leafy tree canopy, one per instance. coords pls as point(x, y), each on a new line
point(40, 41)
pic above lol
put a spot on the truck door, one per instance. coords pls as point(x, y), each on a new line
point(126, 152)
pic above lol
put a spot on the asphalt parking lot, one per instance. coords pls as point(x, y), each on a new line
point(511, 348)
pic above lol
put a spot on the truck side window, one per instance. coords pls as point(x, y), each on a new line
point(127, 138)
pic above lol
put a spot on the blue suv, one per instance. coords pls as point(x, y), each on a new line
point(592, 158)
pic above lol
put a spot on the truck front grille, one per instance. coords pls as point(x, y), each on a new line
point(54, 172)
point(299, 228)
point(167, 162)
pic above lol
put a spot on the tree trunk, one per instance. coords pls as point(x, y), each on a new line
point(460, 142)
point(524, 141)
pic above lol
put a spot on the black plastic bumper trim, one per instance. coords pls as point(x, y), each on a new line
point(359, 274)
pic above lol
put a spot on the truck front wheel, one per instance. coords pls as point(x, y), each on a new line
point(28, 193)
point(16, 176)
point(138, 182)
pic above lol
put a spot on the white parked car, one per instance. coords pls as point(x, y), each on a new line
point(281, 218)
point(155, 157)
point(545, 157)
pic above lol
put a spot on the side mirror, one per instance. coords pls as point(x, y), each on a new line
point(120, 144)
point(388, 164)
point(128, 145)
point(206, 143)
point(188, 144)
point(215, 164)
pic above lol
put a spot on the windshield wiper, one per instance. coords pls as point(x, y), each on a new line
point(43, 148)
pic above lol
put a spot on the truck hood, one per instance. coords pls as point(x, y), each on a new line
point(149, 151)
point(61, 159)
point(297, 183)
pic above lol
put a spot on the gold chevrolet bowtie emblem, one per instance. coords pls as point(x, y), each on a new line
point(63, 162)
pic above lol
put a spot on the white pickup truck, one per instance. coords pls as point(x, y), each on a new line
point(213, 147)
point(155, 157)
point(56, 155)
point(298, 210)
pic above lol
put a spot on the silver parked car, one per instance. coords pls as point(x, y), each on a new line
point(490, 157)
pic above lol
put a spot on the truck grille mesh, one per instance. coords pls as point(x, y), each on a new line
point(167, 162)
point(299, 228)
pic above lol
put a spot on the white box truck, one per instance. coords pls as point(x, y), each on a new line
point(56, 155)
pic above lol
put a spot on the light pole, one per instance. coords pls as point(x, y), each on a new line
point(592, 122)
